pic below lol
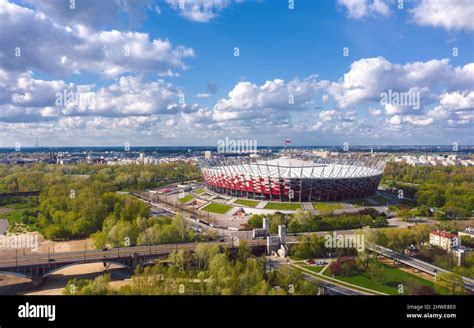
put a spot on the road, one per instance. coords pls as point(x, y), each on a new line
point(3, 226)
point(332, 289)
point(415, 263)
point(228, 235)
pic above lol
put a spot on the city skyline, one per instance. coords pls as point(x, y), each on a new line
point(170, 73)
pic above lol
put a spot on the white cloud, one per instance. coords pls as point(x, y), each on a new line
point(369, 77)
point(374, 111)
point(203, 95)
point(418, 120)
point(455, 107)
point(360, 8)
point(25, 98)
point(326, 116)
point(395, 120)
point(317, 126)
point(274, 98)
point(49, 46)
point(201, 11)
point(93, 13)
point(457, 100)
point(450, 15)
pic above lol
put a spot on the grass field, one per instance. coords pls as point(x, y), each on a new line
point(185, 199)
point(247, 202)
point(314, 268)
point(283, 206)
point(327, 206)
point(370, 201)
point(217, 208)
point(393, 277)
point(199, 191)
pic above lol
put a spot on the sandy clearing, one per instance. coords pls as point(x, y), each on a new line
point(55, 283)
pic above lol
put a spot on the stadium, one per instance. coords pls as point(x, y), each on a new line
point(294, 180)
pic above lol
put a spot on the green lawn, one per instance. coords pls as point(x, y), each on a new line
point(283, 206)
point(392, 278)
point(370, 201)
point(199, 191)
point(217, 208)
point(314, 268)
point(186, 199)
point(327, 206)
point(247, 202)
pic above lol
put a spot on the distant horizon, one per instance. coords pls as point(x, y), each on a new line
point(259, 147)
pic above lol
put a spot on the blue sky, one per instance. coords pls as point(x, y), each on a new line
point(182, 84)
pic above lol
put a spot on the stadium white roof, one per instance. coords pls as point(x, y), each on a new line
point(287, 161)
point(285, 167)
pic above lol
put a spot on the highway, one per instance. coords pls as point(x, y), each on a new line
point(331, 288)
point(415, 263)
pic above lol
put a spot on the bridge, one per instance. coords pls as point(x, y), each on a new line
point(416, 264)
point(38, 266)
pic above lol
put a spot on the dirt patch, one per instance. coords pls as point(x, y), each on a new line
point(55, 283)
point(4, 210)
point(44, 246)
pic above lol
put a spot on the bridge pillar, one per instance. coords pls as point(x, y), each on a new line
point(37, 281)
point(134, 262)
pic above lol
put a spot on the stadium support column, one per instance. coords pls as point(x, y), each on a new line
point(279, 181)
point(260, 180)
point(269, 183)
point(290, 181)
point(311, 188)
point(301, 183)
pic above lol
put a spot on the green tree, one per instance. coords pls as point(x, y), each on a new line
point(450, 281)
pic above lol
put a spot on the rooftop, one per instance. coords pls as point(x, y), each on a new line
point(444, 234)
point(286, 167)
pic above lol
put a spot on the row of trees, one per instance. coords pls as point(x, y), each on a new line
point(304, 221)
point(79, 200)
point(122, 232)
point(208, 271)
point(448, 188)
point(311, 246)
point(34, 177)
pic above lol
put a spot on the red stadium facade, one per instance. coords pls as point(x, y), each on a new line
point(289, 179)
